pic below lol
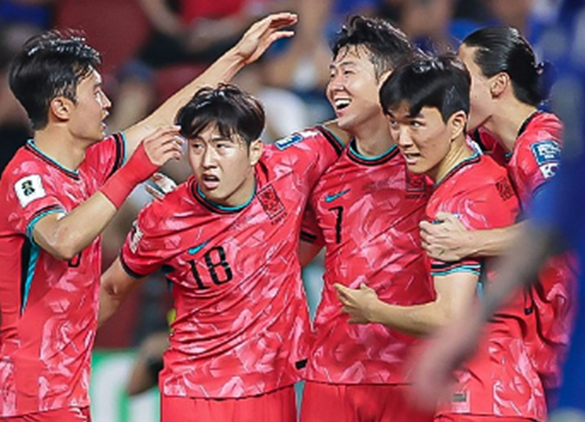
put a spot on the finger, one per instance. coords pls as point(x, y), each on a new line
point(343, 291)
point(282, 20)
point(280, 35)
point(445, 216)
point(424, 225)
point(153, 191)
point(343, 297)
point(163, 182)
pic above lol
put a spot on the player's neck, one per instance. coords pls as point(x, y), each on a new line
point(458, 152)
point(373, 140)
point(506, 124)
point(60, 146)
point(243, 195)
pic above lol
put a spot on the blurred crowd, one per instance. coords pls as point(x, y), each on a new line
point(153, 47)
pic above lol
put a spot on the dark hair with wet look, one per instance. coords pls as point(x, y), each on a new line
point(504, 49)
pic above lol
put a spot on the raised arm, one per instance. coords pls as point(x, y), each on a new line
point(449, 240)
point(66, 235)
point(251, 46)
point(454, 297)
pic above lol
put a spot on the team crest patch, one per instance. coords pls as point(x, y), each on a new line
point(28, 189)
point(293, 139)
point(546, 152)
point(415, 182)
point(549, 170)
point(270, 202)
point(504, 188)
point(547, 155)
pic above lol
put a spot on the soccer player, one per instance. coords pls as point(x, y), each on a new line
point(556, 222)
point(366, 207)
point(427, 102)
point(228, 240)
point(58, 193)
point(504, 98)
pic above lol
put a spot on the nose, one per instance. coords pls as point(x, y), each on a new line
point(335, 84)
point(402, 136)
point(208, 159)
point(106, 103)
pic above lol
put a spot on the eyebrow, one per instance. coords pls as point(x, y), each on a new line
point(408, 116)
point(342, 64)
point(214, 139)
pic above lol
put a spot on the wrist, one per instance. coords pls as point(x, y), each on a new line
point(124, 180)
point(373, 311)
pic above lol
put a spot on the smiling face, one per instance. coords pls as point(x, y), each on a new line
point(90, 109)
point(353, 88)
point(224, 166)
point(424, 139)
point(481, 99)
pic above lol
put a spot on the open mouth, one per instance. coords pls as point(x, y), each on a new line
point(411, 158)
point(341, 104)
point(210, 181)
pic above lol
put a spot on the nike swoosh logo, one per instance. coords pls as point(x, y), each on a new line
point(333, 197)
point(197, 248)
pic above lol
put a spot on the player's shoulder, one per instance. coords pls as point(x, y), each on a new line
point(474, 174)
point(307, 138)
point(542, 134)
point(24, 168)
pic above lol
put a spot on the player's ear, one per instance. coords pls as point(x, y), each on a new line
point(60, 107)
point(255, 151)
point(498, 84)
point(457, 122)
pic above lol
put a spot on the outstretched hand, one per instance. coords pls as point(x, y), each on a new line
point(446, 239)
point(262, 34)
point(357, 303)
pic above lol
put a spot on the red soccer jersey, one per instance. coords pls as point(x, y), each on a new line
point(500, 380)
point(367, 211)
point(531, 165)
point(241, 313)
point(48, 307)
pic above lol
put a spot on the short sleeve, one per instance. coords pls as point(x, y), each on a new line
point(536, 164)
point(32, 194)
point(310, 152)
point(493, 206)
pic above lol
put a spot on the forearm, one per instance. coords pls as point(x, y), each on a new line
point(494, 242)
point(108, 305)
point(417, 320)
point(114, 292)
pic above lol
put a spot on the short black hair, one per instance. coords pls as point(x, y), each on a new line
point(48, 66)
point(388, 46)
point(232, 110)
point(504, 49)
point(441, 82)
